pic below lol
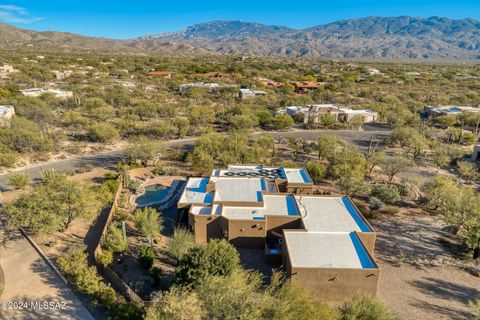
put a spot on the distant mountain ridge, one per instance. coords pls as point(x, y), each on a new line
point(371, 38)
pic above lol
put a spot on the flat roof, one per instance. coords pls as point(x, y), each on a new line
point(327, 250)
point(239, 189)
point(196, 192)
point(279, 205)
point(330, 214)
point(206, 210)
point(297, 175)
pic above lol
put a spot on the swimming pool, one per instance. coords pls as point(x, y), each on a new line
point(154, 193)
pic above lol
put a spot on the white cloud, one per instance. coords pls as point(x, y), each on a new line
point(15, 14)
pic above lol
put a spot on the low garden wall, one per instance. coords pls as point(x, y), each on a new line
point(117, 283)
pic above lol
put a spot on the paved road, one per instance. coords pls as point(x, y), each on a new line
point(110, 158)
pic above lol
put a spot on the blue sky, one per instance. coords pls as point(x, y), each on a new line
point(127, 19)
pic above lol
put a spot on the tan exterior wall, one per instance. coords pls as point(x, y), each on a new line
point(336, 285)
point(247, 233)
point(276, 224)
point(205, 227)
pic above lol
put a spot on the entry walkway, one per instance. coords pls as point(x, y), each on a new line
point(29, 278)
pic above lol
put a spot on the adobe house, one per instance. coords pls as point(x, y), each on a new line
point(323, 242)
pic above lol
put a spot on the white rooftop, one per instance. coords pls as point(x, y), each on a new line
point(239, 189)
point(297, 175)
point(279, 205)
point(326, 250)
point(357, 112)
point(195, 192)
point(6, 109)
point(330, 214)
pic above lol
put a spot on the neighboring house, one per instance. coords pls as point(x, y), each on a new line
point(62, 74)
point(476, 153)
point(161, 74)
point(270, 83)
point(215, 75)
point(437, 111)
point(305, 86)
point(58, 93)
point(6, 114)
point(348, 114)
point(313, 113)
point(323, 242)
point(250, 93)
point(373, 72)
point(6, 69)
point(212, 87)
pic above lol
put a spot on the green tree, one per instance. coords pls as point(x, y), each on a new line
point(328, 145)
point(352, 186)
point(386, 193)
point(282, 121)
point(142, 149)
point(217, 257)
point(115, 240)
point(53, 204)
point(200, 116)
point(178, 303)
point(348, 163)
point(460, 206)
point(18, 180)
point(180, 243)
point(317, 170)
point(327, 120)
point(149, 222)
point(393, 165)
point(146, 256)
point(374, 159)
point(102, 132)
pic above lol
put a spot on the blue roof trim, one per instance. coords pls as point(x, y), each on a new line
point(292, 206)
point(263, 185)
point(305, 176)
point(208, 197)
point(362, 254)
point(258, 218)
point(355, 215)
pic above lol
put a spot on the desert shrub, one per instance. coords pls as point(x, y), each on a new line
point(375, 203)
point(146, 256)
point(73, 264)
point(366, 308)
point(317, 170)
point(105, 257)
point(102, 132)
point(182, 241)
point(215, 258)
point(351, 185)
point(115, 240)
point(18, 180)
point(149, 222)
point(386, 193)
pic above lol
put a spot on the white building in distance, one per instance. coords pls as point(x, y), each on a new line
point(58, 93)
point(6, 114)
point(250, 93)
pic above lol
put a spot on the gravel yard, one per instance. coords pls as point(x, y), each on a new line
point(423, 276)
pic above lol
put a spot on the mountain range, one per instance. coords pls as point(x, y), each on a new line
point(434, 38)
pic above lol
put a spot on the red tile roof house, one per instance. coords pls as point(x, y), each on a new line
point(161, 74)
point(305, 86)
